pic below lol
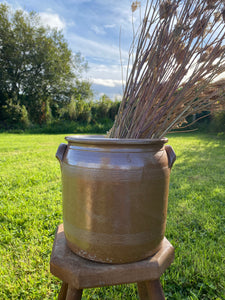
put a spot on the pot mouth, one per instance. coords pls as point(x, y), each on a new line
point(102, 139)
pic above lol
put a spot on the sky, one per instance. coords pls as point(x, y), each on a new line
point(91, 27)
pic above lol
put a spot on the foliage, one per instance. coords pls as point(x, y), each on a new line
point(31, 209)
point(62, 126)
point(105, 108)
point(15, 114)
point(177, 52)
point(102, 111)
point(37, 69)
point(78, 116)
point(218, 122)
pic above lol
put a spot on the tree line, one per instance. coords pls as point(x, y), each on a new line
point(40, 77)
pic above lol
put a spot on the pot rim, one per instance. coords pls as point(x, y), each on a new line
point(102, 139)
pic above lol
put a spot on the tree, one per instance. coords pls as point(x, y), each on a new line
point(37, 69)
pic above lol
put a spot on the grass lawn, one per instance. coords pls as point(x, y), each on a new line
point(31, 209)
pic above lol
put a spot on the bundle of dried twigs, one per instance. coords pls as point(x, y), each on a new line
point(178, 51)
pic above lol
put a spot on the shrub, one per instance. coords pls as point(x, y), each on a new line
point(218, 122)
point(24, 119)
point(46, 114)
point(77, 110)
point(104, 108)
point(15, 115)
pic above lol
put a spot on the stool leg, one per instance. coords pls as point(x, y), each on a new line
point(73, 294)
point(150, 290)
point(63, 291)
point(142, 291)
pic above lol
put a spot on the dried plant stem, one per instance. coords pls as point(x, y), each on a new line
point(121, 61)
point(178, 51)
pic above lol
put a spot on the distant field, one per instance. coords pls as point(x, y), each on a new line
point(31, 209)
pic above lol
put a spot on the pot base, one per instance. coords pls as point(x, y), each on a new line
point(111, 259)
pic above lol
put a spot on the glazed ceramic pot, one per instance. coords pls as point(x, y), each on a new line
point(115, 194)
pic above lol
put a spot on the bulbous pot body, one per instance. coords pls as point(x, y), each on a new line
point(115, 194)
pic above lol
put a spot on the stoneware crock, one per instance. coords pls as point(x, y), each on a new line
point(115, 194)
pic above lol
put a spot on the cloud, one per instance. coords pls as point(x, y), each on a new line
point(78, 1)
point(117, 97)
point(111, 73)
point(121, 15)
point(106, 82)
point(110, 25)
point(106, 79)
point(111, 92)
point(53, 20)
point(96, 51)
point(98, 30)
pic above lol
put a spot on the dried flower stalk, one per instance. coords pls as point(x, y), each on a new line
point(178, 53)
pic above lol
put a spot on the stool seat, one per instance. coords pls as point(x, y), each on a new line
point(78, 273)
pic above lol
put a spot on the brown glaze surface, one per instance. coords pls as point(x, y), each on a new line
point(115, 195)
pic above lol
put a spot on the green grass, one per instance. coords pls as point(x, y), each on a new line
point(31, 209)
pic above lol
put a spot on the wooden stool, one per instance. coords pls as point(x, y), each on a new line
point(78, 273)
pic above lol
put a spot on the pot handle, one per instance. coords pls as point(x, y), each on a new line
point(60, 152)
point(171, 155)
